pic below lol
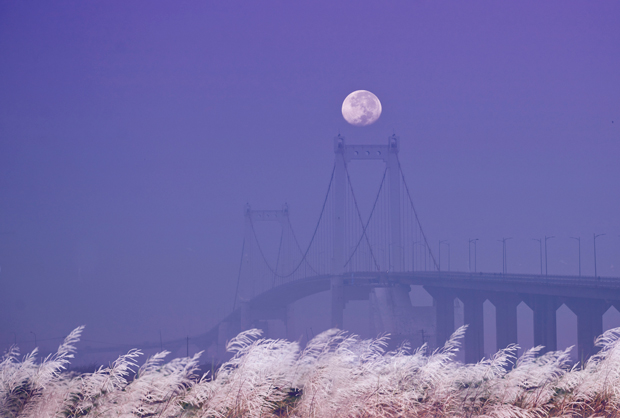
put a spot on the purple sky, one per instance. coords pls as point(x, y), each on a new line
point(133, 133)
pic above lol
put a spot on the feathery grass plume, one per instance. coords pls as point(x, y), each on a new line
point(331, 375)
point(158, 390)
point(15, 387)
point(99, 393)
point(336, 375)
point(24, 384)
point(252, 382)
point(594, 388)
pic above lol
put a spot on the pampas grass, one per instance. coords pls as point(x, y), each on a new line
point(336, 375)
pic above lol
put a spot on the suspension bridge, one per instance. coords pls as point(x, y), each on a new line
point(379, 256)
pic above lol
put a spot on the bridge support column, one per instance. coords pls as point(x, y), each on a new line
point(545, 327)
point(382, 305)
point(473, 315)
point(505, 318)
point(392, 312)
point(337, 291)
point(589, 324)
point(444, 313)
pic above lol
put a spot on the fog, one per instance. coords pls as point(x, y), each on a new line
point(133, 134)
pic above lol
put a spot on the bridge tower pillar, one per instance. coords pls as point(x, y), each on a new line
point(396, 252)
point(545, 323)
point(589, 324)
point(505, 318)
point(443, 299)
point(340, 191)
point(474, 318)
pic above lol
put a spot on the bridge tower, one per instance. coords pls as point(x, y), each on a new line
point(250, 286)
point(344, 154)
point(391, 305)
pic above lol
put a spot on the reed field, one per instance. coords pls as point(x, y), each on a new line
point(336, 375)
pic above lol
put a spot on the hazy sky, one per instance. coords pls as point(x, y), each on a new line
point(133, 133)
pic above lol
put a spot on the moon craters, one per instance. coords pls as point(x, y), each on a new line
point(361, 108)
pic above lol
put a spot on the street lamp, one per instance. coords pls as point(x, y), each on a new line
point(546, 269)
point(578, 239)
point(540, 245)
point(474, 240)
point(595, 237)
point(504, 260)
point(35, 339)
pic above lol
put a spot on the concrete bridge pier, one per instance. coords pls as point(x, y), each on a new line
point(338, 302)
point(392, 312)
point(382, 307)
point(589, 324)
point(505, 318)
point(474, 318)
point(443, 300)
point(545, 323)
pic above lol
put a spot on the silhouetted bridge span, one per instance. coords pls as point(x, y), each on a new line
point(378, 255)
point(588, 297)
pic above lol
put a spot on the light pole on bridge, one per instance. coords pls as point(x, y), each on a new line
point(540, 244)
point(578, 239)
point(546, 265)
point(474, 240)
point(595, 237)
point(504, 259)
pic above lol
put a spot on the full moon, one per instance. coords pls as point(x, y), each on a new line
point(361, 108)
